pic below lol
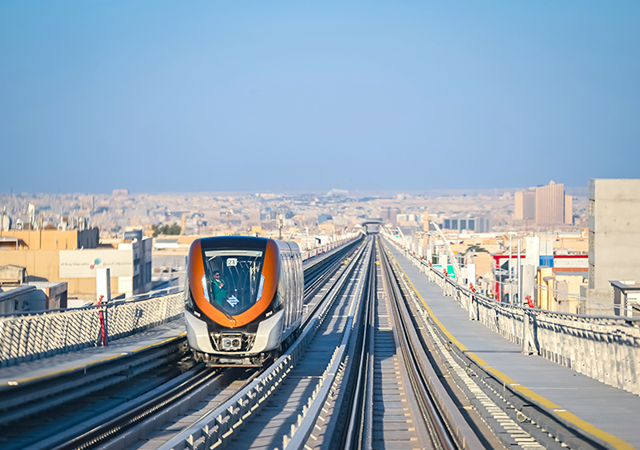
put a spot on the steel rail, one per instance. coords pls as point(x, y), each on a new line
point(316, 274)
point(40, 395)
point(202, 380)
point(301, 431)
point(118, 424)
point(354, 436)
point(447, 428)
point(224, 422)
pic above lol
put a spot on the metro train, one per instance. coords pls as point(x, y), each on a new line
point(243, 298)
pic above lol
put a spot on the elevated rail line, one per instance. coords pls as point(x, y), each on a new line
point(267, 394)
point(168, 397)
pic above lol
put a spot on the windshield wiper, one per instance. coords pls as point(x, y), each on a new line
point(229, 316)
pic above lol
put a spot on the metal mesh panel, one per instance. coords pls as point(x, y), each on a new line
point(38, 335)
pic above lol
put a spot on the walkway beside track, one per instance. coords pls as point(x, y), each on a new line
point(66, 363)
point(609, 413)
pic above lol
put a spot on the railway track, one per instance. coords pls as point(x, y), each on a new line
point(267, 410)
point(502, 417)
point(122, 400)
point(156, 431)
point(444, 424)
point(388, 417)
point(385, 396)
point(356, 378)
point(61, 403)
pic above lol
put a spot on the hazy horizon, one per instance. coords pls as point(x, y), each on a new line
point(571, 190)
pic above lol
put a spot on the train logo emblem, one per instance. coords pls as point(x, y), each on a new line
point(233, 301)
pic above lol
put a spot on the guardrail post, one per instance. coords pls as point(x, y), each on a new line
point(528, 326)
point(102, 313)
point(472, 303)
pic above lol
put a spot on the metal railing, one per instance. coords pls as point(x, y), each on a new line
point(31, 336)
point(311, 253)
point(36, 335)
point(606, 348)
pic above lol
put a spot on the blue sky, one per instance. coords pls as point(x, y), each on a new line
point(157, 96)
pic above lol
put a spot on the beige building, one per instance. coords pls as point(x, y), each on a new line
point(72, 256)
point(525, 205)
point(130, 265)
point(614, 235)
point(559, 291)
point(38, 250)
point(50, 239)
point(550, 205)
point(568, 209)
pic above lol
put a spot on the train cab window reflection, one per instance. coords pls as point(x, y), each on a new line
point(233, 279)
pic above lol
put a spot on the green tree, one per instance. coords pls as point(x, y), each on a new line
point(475, 248)
point(166, 230)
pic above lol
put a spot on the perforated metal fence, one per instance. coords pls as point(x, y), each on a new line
point(31, 336)
point(606, 348)
point(311, 253)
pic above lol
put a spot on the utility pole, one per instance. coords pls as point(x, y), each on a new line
point(519, 271)
point(511, 233)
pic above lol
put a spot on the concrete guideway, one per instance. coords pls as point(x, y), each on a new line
point(609, 413)
point(72, 358)
point(76, 379)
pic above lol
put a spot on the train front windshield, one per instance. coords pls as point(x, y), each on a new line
point(233, 279)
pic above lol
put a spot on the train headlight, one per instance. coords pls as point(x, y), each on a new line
point(230, 343)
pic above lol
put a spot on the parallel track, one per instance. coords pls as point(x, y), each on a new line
point(200, 380)
point(433, 419)
point(271, 394)
point(395, 400)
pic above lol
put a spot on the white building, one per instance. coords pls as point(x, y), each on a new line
point(128, 261)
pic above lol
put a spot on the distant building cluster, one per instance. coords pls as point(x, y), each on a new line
point(63, 241)
point(545, 206)
point(593, 269)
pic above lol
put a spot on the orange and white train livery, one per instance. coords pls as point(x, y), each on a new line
point(243, 298)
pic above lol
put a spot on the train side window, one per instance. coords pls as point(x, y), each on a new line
point(287, 282)
point(290, 291)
